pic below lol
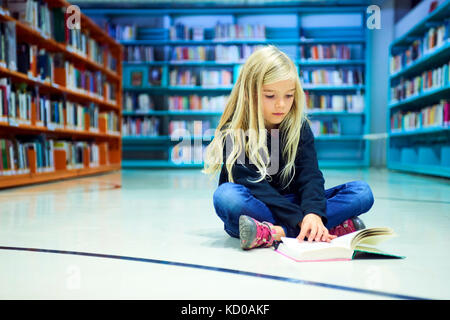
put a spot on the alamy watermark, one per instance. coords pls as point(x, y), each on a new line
point(73, 14)
point(374, 19)
point(189, 143)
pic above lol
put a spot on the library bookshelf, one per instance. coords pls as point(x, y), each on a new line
point(295, 30)
point(419, 97)
point(84, 129)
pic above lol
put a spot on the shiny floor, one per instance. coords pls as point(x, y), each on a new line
point(154, 235)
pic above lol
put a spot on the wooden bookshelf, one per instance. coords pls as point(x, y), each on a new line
point(109, 143)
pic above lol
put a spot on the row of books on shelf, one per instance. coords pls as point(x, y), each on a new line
point(44, 66)
point(143, 54)
point(433, 38)
point(149, 127)
point(180, 31)
point(189, 127)
point(137, 102)
point(111, 121)
point(121, 32)
point(36, 14)
point(220, 31)
point(196, 102)
point(75, 151)
point(235, 53)
point(52, 22)
point(143, 102)
point(206, 78)
point(239, 31)
point(93, 83)
point(335, 76)
point(17, 102)
point(335, 103)
point(427, 80)
point(8, 50)
point(14, 156)
point(218, 53)
point(142, 126)
point(87, 47)
point(149, 76)
point(325, 127)
point(331, 51)
point(437, 115)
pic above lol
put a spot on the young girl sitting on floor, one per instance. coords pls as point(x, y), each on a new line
point(270, 185)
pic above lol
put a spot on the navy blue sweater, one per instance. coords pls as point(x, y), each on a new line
point(308, 182)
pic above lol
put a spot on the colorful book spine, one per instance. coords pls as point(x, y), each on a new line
point(112, 122)
point(335, 77)
point(331, 51)
point(325, 127)
point(142, 126)
point(192, 128)
point(140, 54)
point(226, 31)
point(74, 151)
point(85, 81)
point(36, 14)
point(433, 38)
point(14, 157)
point(121, 32)
point(195, 102)
point(338, 103)
point(428, 80)
point(205, 78)
point(138, 102)
point(432, 116)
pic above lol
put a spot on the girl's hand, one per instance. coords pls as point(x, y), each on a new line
point(313, 228)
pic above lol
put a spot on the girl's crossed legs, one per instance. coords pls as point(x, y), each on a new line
point(345, 201)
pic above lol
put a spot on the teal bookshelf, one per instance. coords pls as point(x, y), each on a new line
point(418, 123)
point(292, 29)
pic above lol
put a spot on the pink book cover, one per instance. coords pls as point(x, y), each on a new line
point(297, 260)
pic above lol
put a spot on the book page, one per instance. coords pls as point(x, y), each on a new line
point(340, 248)
point(309, 251)
point(372, 236)
point(342, 241)
point(305, 245)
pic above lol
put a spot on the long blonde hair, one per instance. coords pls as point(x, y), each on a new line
point(244, 113)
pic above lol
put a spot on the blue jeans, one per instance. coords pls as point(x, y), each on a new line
point(345, 201)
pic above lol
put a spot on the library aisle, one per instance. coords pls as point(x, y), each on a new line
point(107, 109)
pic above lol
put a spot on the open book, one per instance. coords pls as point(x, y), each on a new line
point(356, 245)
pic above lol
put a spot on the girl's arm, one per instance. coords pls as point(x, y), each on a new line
point(309, 182)
point(283, 209)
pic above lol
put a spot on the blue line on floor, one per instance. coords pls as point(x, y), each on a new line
point(219, 269)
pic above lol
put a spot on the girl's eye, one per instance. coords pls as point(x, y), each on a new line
point(288, 96)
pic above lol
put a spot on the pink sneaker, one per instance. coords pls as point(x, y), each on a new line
point(348, 226)
point(255, 234)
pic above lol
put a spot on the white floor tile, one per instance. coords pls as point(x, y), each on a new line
point(169, 215)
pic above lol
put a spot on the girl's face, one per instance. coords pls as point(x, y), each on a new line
point(277, 101)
